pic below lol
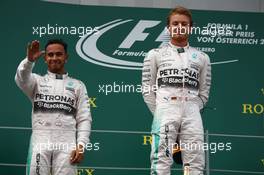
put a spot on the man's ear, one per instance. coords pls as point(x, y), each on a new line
point(190, 29)
point(44, 56)
point(168, 27)
point(168, 30)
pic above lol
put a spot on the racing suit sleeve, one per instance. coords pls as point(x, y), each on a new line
point(83, 117)
point(24, 77)
point(205, 81)
point(149, 74)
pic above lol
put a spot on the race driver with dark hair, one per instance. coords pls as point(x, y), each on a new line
point(61, 119)
point(176, 81)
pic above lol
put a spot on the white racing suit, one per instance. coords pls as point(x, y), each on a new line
point(176, 83)
point(60, 119)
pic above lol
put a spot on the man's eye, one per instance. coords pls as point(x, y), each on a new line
point(185, 24)
point(50, 54)
point(59, 54)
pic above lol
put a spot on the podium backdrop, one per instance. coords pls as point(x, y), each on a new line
point(108, 59)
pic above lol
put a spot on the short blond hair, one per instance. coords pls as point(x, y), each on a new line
point(181, 11)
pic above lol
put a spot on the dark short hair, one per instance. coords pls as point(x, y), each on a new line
point(181, 11)
point(57, 41)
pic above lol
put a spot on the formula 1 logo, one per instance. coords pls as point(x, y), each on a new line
point(113, 46)
point(87, 46)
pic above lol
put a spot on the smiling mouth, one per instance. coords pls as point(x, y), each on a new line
point(55, 62)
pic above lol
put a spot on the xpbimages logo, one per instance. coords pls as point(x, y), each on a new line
point(123, 44)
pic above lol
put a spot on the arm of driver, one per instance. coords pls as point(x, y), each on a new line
point(205, 80)
point(149, 74)
point(24, 77)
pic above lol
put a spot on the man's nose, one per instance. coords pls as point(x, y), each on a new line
point(54, 56)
